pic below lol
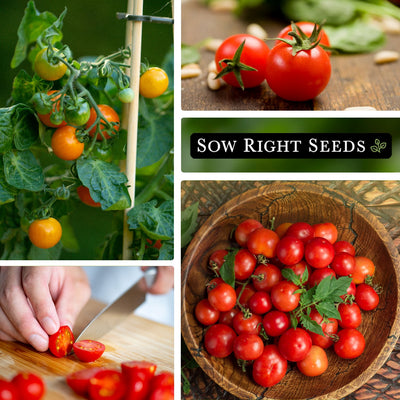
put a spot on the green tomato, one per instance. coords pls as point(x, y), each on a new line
point(56, 118)
point(126, 95)
point(102, 153)
point(77, 114)
point(47, 70)
point(41, 103)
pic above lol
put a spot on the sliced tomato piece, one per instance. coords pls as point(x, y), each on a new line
point(8, 390)
point(30, 386)
point(61, 342)
point(162, 386)
point(78, 381)
point(107, 384)
point(88, 350)
point(138, 375)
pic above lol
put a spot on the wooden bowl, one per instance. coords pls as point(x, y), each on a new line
point(292, 202)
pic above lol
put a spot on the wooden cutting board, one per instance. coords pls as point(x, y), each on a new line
point(134, 339)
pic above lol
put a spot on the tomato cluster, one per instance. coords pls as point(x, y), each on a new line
point(23, 386)
point(136, 380)
point(266, 304)
point(297, 68)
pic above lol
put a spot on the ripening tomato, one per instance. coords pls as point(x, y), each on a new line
point(248, 346)
point(283, 296)
point(351, 343)
point(153, 83)
point(205, 313)
point(219, 339)
point(61, 342)
point(244, 229)
point(266, 276)
point(366, 297)
point(281, 229)
point(88, 350)
point(85, 197)
point(263, 241)
point(222, 297)
point(46, 69)
point(294, 344)
point(65, 144)
point(315, 363)
point(45, 233)
point(364, 267)
point(29, 386)
point(104, 132)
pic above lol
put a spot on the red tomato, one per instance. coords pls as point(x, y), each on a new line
point(61, 342)
point(294, 344)
point(222, 297)
point(343, 264)
point(78, 381)
point(275, 323)
point(218, 340)
point(244, 294)
point(244, 229)
point(364, 267)
point(251, 324)
point(260, 303)
point(350, 315)
point(217, 259)
point(319, 274)
point(282, 229)
point(162, 387)
point(263, 241)
point(138, 375)
point(327, 231)
point(329, 328)
point(85, 197)
point(267, 276)
point(301, 230)
point(342, 246)
point(205, 313)
point(351, 343)
point(319, 252)
point(88, 350)
point(8, 391)
point(270, 367)
point(351, 291)
point(254, 54)
point(65, 144)
point(248, 346)
point(298, 77)
point(107, 384)
point(213, 283)
point(244, 265)
point(226, 317)
point(315, 363)
point(290, 250)
point(366, 297)
point(29, 386)
point(283, 296)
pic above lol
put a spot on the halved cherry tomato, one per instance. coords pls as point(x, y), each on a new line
point(107, 384)
point(86, 198)
point(109, 114)
point(61, 342)
point(29, 386)
point(162, 386)
point(88, 350)
point(138, 376)
point(8, 391)
point(78, 381)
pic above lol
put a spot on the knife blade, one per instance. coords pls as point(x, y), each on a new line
point(118, 310)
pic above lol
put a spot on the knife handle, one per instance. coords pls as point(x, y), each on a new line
point(150, 276)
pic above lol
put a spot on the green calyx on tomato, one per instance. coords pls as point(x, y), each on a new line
point(57, 118)
point(77, 113)
point(234, 65)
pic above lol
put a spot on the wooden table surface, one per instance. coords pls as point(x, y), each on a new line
point(356, 80)
point(382, 198)
point(135, 338)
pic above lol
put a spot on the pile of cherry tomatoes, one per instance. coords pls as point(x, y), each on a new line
point(256, 312)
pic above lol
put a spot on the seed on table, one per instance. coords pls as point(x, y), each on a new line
point(257, 31)
point(212, 83)
point(386, 56)
point(190, 71)
point(212, 67)
point(213, 44)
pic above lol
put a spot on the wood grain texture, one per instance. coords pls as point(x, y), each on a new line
point(295, 202)
point(356, 80)
point(134, 339)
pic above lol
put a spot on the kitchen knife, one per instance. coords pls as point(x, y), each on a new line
point(118, 310)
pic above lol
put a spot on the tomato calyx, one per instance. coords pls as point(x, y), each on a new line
point(234, 65)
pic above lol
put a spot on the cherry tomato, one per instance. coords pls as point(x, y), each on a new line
point(46, 69)
point(328, 328)
point(364, 267)
point(244, 229)
point(350, 315)
point(315, 363)
point(8, 391)
point(226, 317)
point(217, 259)
point(205, 313)
point(78, 381)
point(107, 384)
point(351, 343)
point(319, 274)
point(29, 386)
point(351, 291)
point(267, 276)
point(213, 283)
point(294, 344)
point(301, 230)
point(327, 231)
point(319, 252)
point(366, 297)
point(45, 118)
point(244, 264)
point(260, 303)
point(247, 347)
point(219, 339)
point(110, 115)
point(343, 246)
point(77, 114)
point(247, 324)
point(61, 342)
point(138, 376)
point(275, 323)
point(153, 83)
point(85, 197)
point(283, 296)
point(281, 229)
point(343, 264)
point(298, 77)
point(263, 241)
point(243, 295)
point(222, 297)
point(290, 250)
point(88, 350)
point(45, 233)
point(270, 367)
point(126, 95)
point(162, 386)
point(65, 143)
point(254, 54)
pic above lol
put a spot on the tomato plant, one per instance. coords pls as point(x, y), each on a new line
point(86, 198)
point(61, 342)
point(88, 350)
point(29, 385)
point(105, 129)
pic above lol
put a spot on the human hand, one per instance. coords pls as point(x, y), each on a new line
point(36, 301)
point(163, 282)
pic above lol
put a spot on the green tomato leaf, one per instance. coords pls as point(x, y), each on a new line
point(291, 276)
point(32, 25)
point(7, 192)
point(45, 254)
point(6, 128)
point(227, 270)
point(310, 325)
point(24, 87)
point(328, 310)
point(23, 171)
point(105, 182)
point(156, 222)
point(330, 289)
point(166, 250)
point(26, 128)
point(189, 223)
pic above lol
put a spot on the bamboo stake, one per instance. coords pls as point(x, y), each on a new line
point(131, 113)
